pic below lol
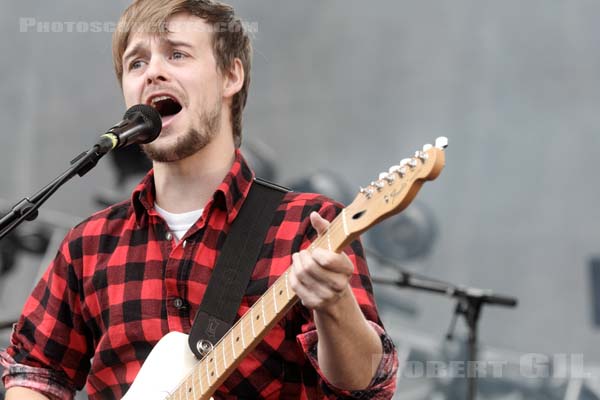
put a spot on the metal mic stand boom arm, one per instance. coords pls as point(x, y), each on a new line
point(26, 209)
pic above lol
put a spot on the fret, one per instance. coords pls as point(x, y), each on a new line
point(287, 288)
point(275, 298)
point(344, 222)
point(328, 240)
point(242, 331)
point(224, 356)
point(262, 303)
point(232, 345)
point(252, 324)
point(187, 390)
point(194, 387)
point(237, 338)
point(216, 360)
point(207, 374)
point(200, 378)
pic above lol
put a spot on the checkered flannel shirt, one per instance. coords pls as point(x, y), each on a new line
point(120, 282)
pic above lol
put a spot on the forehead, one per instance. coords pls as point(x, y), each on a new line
point(181, 28)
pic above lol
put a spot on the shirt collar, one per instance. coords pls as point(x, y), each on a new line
point(230, 195)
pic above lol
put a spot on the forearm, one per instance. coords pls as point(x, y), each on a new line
point(20, 393)
point(349, 350)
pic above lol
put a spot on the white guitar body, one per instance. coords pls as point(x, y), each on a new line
point(169, 362)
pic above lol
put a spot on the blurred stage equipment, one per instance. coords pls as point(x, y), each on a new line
point(39, 239)
point(130, 164)
point(470, 301)
point(407, 237)
point(324, 182)
point(261, 159)
point(594, 266)
point(33, 241)
point(433, 369)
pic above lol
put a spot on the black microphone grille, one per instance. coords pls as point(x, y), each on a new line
point(149, 114)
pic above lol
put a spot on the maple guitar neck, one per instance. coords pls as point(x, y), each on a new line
point(390, 194)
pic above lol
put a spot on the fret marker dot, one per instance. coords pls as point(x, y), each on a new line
point(280, 292)
point(237, 339)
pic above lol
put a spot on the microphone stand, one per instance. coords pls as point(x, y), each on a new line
point(26, 209)
point(469, 304)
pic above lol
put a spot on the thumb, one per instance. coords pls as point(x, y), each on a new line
point(319, 223)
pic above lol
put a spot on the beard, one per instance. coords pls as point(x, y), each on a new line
point(190, 142)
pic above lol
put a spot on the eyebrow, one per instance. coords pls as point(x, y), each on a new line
point(133, 51)
point(140, 45)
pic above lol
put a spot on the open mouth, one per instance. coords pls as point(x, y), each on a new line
point(166, 105)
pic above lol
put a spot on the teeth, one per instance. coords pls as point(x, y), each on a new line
point(160, 98)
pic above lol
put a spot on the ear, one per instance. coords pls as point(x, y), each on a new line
point(233, 79)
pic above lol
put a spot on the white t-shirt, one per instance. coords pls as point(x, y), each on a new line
point(179, 224)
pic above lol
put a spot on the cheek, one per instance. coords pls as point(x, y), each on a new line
point(130, 93)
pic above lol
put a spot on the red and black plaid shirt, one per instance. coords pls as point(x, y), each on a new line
point(120, 282)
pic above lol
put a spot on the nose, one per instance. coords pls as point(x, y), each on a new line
point(156, 71)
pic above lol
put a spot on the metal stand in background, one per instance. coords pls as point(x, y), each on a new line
point(469, 304)
point(26, 209)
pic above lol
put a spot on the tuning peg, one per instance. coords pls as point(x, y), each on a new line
point(388, 177)
point(405, 161)
point(412, 163)
point(368, 192)
point(378, 185)
point(397, 169)
point(421, 155)
point(441, 142)
point(427, 147)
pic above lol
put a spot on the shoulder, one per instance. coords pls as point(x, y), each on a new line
point(104, 224)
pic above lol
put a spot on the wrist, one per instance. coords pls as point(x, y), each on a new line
point(339, 308)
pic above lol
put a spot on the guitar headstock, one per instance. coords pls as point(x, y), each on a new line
point(393, 191)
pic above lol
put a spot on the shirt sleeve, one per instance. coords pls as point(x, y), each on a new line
point(50, 347)
point(383, 384)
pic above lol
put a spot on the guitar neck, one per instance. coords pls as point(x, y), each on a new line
point(388, 195)
point(249, 330)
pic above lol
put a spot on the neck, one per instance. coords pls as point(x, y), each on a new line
point(188, 184)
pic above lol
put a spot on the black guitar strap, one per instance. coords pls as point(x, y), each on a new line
point(234, 267)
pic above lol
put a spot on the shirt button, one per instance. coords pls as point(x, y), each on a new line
point(168, 236)
point(178, 303)
point(184, 244)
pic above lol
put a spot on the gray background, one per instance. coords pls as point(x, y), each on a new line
point(353, 87)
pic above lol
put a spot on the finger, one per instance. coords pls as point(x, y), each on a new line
point(323, 282)
point(334, 262)
point(319, 223)
point(307, 289)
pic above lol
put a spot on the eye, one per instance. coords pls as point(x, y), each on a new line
point(135, 64)
point(177, 55)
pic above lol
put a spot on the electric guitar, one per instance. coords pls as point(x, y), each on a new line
point(171, 371)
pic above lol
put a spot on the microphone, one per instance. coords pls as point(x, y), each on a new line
point(141, 124)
